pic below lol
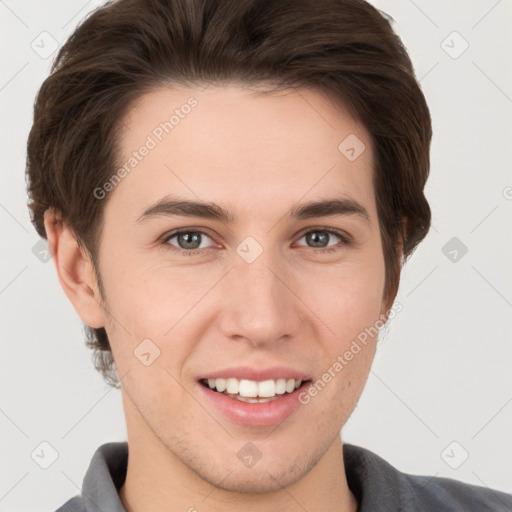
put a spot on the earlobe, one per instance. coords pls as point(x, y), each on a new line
point(74, 269)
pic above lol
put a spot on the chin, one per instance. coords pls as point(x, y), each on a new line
point(254, 480)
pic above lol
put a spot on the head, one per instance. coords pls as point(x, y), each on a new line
point(253, 106)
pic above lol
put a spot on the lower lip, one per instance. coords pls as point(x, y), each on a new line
point(258, 414)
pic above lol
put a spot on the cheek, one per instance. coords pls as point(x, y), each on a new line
point(139, 292)
point(138, 305)
point(347, 296)
point(349, 303)
point(351, 312)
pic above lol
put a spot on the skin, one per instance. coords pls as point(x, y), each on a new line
point(256, 156)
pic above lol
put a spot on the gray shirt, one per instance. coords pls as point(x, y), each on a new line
point(377, 486)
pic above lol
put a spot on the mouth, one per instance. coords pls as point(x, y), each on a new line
point(254, 392)
point(254, 396)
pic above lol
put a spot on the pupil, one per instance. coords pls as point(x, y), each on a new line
point(314, 238)
point(187, 237)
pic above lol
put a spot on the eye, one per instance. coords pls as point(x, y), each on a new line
point(319, 237)
point(189, 242)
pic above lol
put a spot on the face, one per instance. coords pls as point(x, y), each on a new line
point(262, 293)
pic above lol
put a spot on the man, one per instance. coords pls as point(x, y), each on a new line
point(229, 189)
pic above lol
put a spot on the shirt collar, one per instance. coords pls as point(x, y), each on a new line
point(105, 477)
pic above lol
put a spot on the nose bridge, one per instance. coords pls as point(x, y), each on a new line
point(260, 307)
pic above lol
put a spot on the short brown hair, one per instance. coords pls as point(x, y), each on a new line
point(346, 48)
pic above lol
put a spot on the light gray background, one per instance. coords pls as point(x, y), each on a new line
point(442, 371)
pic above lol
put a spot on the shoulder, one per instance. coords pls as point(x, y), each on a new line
point(379, 486)
point(446, 494)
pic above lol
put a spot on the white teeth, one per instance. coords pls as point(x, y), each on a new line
point(280, 386)
point(220, 384)
point(266, 388)
point(248, 388)
point(252, 389)
point(232, 385)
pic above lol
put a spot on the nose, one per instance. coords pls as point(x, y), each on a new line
point(259, 304)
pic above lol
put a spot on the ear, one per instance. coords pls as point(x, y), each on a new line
point(74, 269)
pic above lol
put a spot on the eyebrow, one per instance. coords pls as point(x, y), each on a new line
point(323, 208)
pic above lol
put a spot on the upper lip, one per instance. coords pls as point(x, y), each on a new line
point(257, 374)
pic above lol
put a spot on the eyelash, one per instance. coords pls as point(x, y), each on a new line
point(195, 252)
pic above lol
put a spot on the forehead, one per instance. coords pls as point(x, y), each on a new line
point(233, 146)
